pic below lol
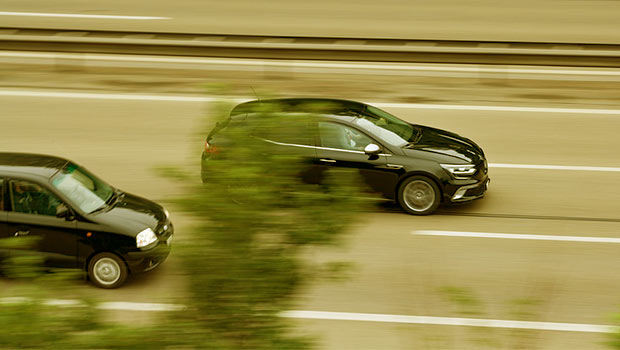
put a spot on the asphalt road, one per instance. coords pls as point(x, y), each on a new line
point(579, 21)
point(396, 271)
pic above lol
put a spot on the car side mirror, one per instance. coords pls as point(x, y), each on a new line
point(372, 150)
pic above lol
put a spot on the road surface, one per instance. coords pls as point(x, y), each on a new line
point(398, 271)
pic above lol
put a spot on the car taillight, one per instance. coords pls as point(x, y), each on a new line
point(209, 148)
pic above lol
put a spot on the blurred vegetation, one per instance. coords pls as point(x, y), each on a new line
point(28, 320)
point(467, 304)
point(464, 299)
point(244, 259)
point(613, 341)
point(254, 218)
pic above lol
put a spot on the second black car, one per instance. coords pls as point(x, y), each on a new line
point(418, 166)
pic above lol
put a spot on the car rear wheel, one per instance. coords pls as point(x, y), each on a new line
point(419, 195)
point(107, 270)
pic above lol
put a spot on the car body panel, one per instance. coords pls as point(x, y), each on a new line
point(447, 143)
point(372, 170)
point(57, 237)
point(130, 215)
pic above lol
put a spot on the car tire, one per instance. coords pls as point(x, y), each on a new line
point(419, 195)
point(107, 270)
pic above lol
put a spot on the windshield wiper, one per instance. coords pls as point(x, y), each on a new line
point(119, 194)
point(116, 196)
point(417, 138)
point(99, 209)
point(112, 198)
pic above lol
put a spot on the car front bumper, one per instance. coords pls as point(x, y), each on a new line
point(146, 260)
point(467, 192)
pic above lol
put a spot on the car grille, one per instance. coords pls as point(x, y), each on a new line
point(482, 170)
point(474, 192)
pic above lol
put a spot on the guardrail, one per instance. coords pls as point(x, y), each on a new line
point(309, 48)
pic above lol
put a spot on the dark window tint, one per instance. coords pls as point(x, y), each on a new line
point(30, 198)
point(339, 136)
point(293, 139)
point(286, 128)
point(387, 126)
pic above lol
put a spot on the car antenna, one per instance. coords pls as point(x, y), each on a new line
point(255, 94)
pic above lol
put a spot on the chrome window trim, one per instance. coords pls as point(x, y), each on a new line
point(321, 148)
point(285, 144)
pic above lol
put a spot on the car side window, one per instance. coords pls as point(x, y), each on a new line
point(296, 132)
point(30, 198)
point(339, 136)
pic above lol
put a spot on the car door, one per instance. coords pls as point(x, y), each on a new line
point(343, 146)
point(33, 213)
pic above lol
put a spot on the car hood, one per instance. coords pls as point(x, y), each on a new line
point(131, 214)
point(447, 144)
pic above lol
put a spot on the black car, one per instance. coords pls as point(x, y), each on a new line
point(417, 166)
point(81, 221)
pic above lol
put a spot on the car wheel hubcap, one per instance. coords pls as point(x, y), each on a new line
point(419, 195)
point(107, 271)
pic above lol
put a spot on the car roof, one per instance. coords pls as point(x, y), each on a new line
point(300, 105)
point(30, 165)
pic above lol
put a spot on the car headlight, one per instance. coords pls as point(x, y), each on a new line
point(145, 238)
point(460, 171)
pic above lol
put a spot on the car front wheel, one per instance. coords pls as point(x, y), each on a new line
point(419, 195)
point(107, 270)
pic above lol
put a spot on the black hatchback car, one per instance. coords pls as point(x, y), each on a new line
point(418, 166)
point(81, 221)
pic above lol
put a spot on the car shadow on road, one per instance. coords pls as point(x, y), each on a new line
point(468, 208)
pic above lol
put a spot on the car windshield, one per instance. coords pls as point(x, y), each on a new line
point(386, 126)
point(83, 188)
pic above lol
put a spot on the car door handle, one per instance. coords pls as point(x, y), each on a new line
point(21, 233)
point(325, 160)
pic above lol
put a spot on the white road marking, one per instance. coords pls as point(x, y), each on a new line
point(63, 302)
point(313, 64)
point(13, 300)
point(74, 15)
point(122, 305)
point(108, 96)
point(104, 96)
point(111, 305)
point(451, 321)
point(554, 167)
point(350, 316)
point(516, 236)
point(498, 108)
